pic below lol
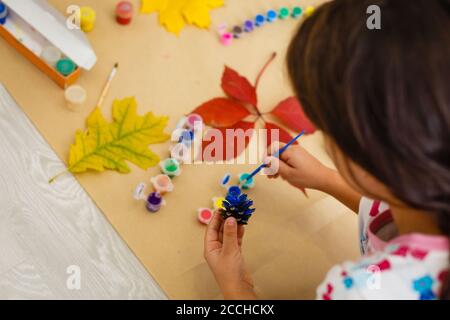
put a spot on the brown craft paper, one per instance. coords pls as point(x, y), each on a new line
point(291, 241)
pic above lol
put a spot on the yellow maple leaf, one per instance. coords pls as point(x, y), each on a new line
point(174, 14)
point(108, 145)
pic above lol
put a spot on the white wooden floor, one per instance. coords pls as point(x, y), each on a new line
point(45, 229)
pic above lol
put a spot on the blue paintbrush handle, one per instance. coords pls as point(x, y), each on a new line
point(276, 155)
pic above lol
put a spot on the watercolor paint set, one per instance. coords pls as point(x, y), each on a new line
point(40, 33)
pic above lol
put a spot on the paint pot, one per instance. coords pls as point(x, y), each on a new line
point(260, 20)
point(237, 32)
point(187, 138)
point(154, 202)
point(51, 55)
point(205, 215)
point(223, 28)
point(75, 96)
point(249, 26)
point(124, 12)
point(272, 16)
point(88, 17)
point(296, 12)
point(3, 13)
point(65, 66)
point(194, 122)
point(226, 39)
point(225, 180)
point(162, 184)
point(181, 153)
point(218, 203)
point(138, 193)
point(171, 167)
point(284, 13)
point(249, 184)
point(309, 11)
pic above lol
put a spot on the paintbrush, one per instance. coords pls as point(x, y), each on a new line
point(276, 155)
point(107, 85)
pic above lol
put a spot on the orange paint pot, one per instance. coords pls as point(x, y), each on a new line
point(162, 184)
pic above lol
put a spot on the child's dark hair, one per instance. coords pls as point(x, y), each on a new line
point(383, 95)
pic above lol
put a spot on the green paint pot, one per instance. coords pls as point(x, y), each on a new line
point(65, 66)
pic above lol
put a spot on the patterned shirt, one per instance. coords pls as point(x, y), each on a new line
point(407, 267)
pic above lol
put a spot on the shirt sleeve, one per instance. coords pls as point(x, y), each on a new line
point(372, 278)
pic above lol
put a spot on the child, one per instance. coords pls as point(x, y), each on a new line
point(382, 100)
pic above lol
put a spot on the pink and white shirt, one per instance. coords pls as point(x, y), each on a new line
point(412, 266)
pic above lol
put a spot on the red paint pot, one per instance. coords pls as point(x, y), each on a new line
point(124, 12)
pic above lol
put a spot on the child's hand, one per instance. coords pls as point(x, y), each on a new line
point(298, 167)
point(223, 241)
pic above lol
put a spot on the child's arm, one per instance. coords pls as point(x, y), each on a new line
point(302, 170)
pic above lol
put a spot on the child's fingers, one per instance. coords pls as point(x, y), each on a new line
point(276, 168)
point(212, 232)
point(230, 236)
point(241, 232)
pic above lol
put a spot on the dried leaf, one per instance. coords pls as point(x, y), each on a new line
point(222, 112)
point(174, 14)
point(238, 87)
point(108, 145)
point(290, 112)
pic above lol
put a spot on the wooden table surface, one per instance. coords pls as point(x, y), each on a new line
point(45, 229)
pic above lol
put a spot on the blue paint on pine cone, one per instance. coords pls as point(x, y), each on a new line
point(237, 205)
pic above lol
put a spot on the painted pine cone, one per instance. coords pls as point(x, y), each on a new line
point(237, 205)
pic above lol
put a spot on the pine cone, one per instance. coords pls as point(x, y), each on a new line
point(237, 205)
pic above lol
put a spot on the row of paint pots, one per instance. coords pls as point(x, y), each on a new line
point(187, 128)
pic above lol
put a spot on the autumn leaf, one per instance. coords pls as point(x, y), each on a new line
point(290, 113)
point(238, 87)
point(174, 14)
point(274, 131)
point(108, 145)
point(231, 146)
point(222, 112)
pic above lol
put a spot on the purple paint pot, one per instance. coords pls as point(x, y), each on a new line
point(154, 202)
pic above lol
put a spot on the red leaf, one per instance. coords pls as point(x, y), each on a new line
point(290, 112)
point(222, 112)
point(283, 135)
point(238, 87)
point(231, 145)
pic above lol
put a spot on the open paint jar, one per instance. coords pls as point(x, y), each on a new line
point(154, 202)
point(65, 67)
point(171, 167)
point(194, 122)
point(75, 97)
point(205, 215)
point(162, 184)
point(249, 184)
